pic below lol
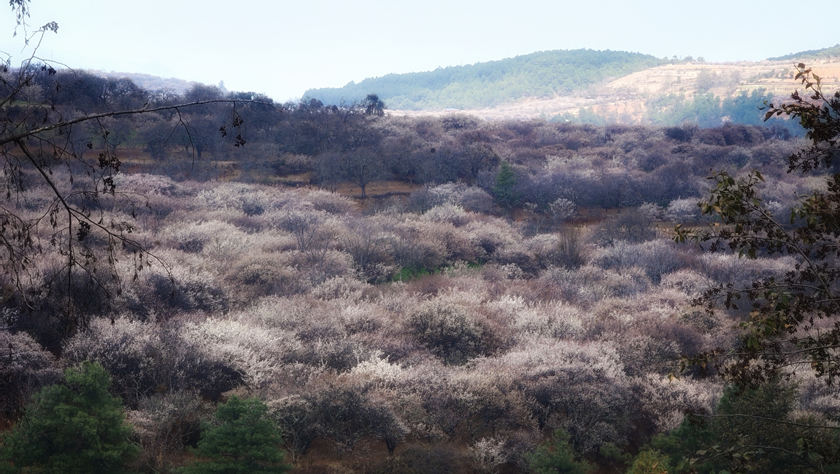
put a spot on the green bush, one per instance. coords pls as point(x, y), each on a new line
point(649, 461)
point(241, 438)
point(75, 426)
point(556, 456)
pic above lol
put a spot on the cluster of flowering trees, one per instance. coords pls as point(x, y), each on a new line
point(299, 298)
point(527, 289)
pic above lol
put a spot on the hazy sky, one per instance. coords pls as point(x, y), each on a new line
point(281, 48)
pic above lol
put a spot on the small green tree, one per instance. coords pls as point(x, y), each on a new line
point(556, 456)
point(241, 438)
point(75, 426)
point(504, 190)
point(752, 430)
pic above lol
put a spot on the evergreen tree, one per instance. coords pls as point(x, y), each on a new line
point(504, 189)
point(75, 426)
point(240, 439)
point(752, 430)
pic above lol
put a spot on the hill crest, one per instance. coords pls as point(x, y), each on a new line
point(487, 84)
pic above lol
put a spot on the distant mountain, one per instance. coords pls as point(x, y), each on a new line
point(541, 74)
point(673, 93)
point(824, 53)
point(581, 86)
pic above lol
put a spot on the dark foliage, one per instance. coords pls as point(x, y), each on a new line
point(74, 427)
point(241, 438)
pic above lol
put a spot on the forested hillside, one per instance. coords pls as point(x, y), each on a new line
point(541, 74)
point(823, 53)
point(597, 87)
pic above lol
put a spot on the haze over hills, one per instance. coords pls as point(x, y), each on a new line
point(149, 81)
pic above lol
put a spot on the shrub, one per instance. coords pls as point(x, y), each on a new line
point(24, 368)
point(492, 234)
point(520, 254)
point(556, 455)
point(561, 210)
point(241, 438)
point(294, 415)
point(72, 427)
point(325, 352)
point(252, 353)
point(260, 275)
point(250, 200)
point(330, 202)
point(650, 461)
point(680, 134)
point(184, 290)
point(632, 225)
point(143, 358)
point(469, 198)
point(449, 213)
point(661, 402)
point(683, 210)
point(488, 454)
point(165, 424)
point(581, 388)
point(308, 229)
point(656, 257)
point(450, 333)
point(371, 248)
point(342, 415)
point(419, 251)
point(556, 319)
point(564, 249)
point(43, 316)
point(588, 285)
point(129, 350)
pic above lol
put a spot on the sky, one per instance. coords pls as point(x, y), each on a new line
point(282, 48)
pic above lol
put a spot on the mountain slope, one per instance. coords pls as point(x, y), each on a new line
point(542, 74)
point(639, 97)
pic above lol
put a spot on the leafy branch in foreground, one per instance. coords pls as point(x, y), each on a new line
point(794, 320)
point(80, 219)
